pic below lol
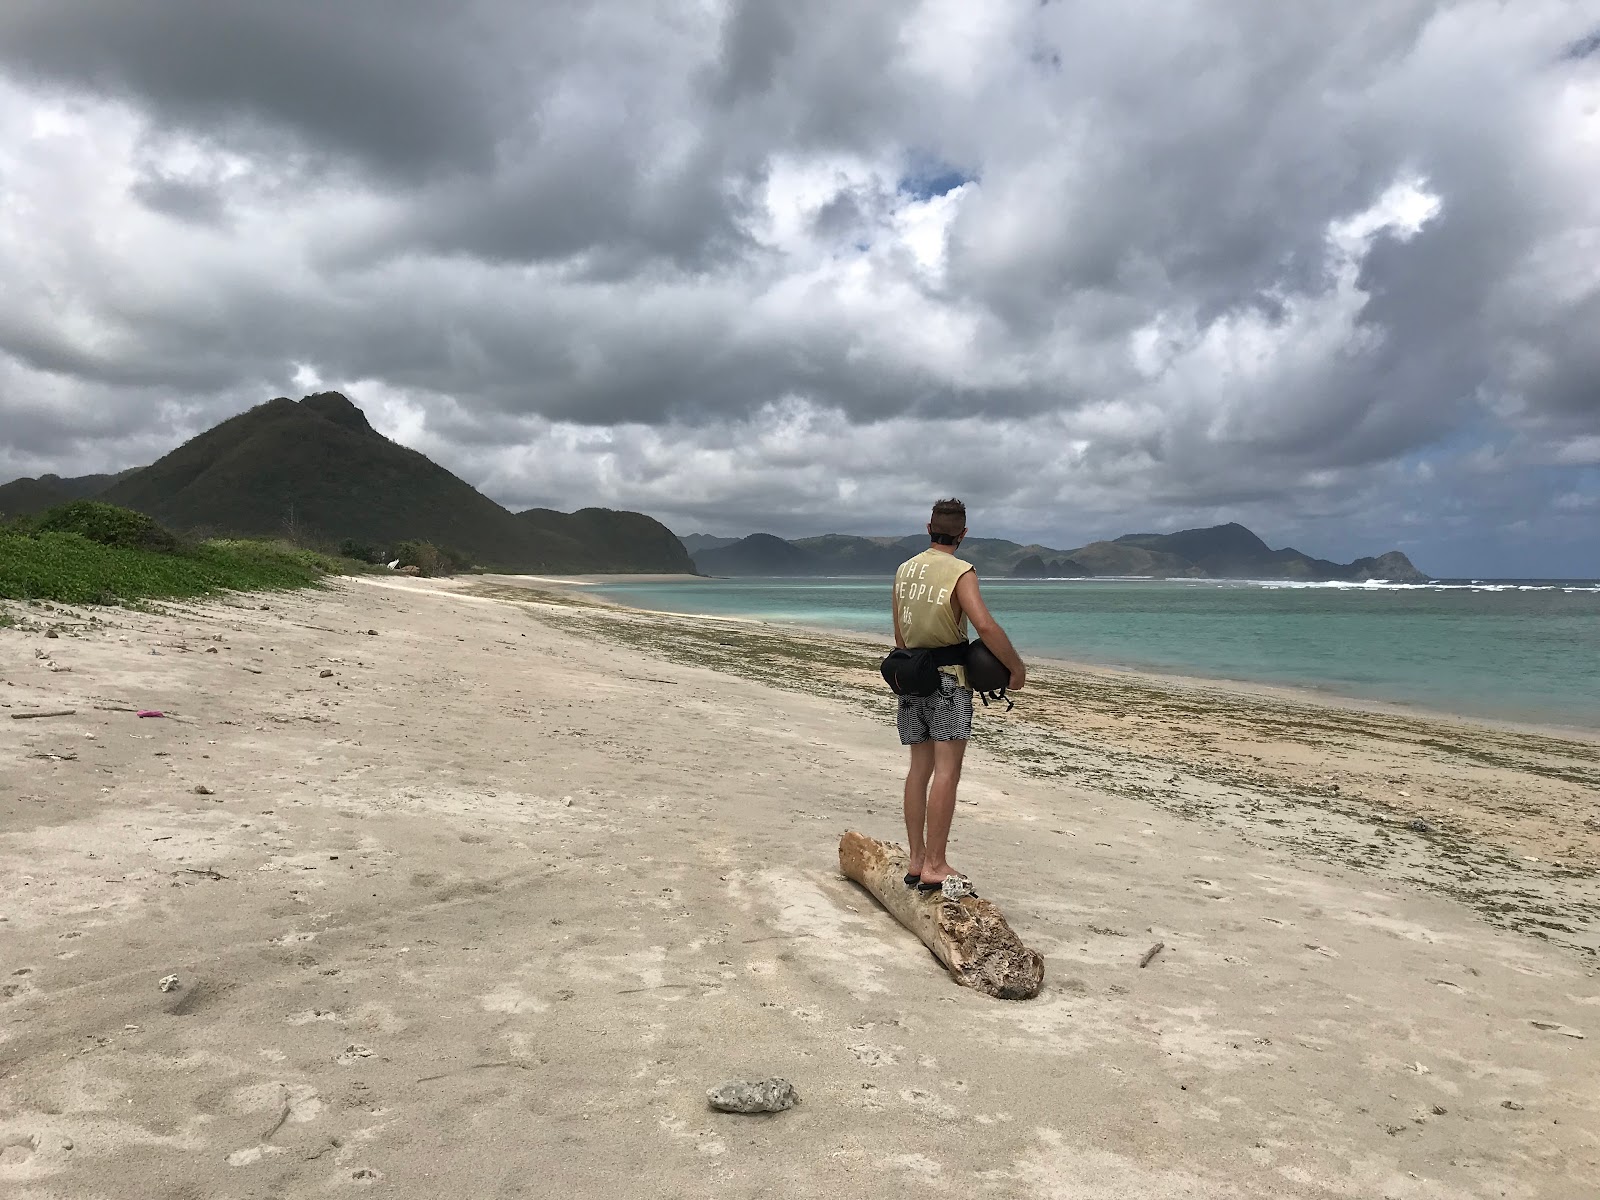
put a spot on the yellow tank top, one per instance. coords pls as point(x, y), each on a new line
point(925, 598)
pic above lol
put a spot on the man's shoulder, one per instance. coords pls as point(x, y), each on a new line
point(960, 565)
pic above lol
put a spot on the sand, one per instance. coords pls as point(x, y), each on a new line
point(485, 911)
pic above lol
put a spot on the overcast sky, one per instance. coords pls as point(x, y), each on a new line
point(1330, 268)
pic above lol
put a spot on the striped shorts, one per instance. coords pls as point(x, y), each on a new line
point(945, 716)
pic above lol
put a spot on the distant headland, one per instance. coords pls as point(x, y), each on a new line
point(1219, 552)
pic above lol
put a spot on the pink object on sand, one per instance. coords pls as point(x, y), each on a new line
point(150, 712)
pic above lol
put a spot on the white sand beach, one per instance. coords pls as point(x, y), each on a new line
point(480, 903)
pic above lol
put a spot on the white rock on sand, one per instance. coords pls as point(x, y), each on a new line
point(509, 995)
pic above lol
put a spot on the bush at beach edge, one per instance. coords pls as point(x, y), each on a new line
point(91, 553)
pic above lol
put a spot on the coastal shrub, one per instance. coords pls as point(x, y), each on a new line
point(458, 561)
point(421, 555)
point(69, 568)
point(431, 560)
point(108, 525)
point(361, 551)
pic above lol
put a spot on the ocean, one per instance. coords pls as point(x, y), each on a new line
point(1521, 650)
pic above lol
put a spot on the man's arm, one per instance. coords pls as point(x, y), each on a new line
point(971, 601)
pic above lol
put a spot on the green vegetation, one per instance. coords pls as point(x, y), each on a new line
point(431, 560)
point(92, 553)
point(361, 551)
point(108, 525)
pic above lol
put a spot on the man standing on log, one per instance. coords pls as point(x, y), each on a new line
point(935, 595)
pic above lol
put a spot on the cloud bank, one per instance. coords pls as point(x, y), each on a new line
point(1332, 270)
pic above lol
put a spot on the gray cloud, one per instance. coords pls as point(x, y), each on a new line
point(1327, 269)
point(384, 80)
point(181, 199)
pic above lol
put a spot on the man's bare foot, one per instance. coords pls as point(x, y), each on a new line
point(933, 874)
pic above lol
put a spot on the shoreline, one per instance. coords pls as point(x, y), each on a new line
point(1485, 796)
point(1308, 694)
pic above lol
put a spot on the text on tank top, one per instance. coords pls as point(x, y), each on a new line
point(925, 599)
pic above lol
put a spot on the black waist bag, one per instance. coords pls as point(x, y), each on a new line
point(916, 672)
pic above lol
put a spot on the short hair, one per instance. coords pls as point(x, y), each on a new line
point(949, 517)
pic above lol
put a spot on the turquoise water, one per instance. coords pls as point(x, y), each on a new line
point(1515, 651)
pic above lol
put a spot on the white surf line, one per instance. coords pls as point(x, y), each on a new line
point(558, 580)
point(446, 593)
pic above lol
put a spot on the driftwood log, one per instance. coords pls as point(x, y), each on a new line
point(969, 936)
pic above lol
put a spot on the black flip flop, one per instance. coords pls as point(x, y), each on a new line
point(913, 880)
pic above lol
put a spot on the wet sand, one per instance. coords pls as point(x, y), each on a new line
point(487, 909)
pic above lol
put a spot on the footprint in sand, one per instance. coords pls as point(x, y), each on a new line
point(928, 1102)
point(918, 1164)
point(31, 1153)
point(869, 1099)
point(251, 1154)
point(17, 1149)
point(705, 1141)
point(306, 1016)
point(280, 1104)
point(508, 998)
point(872, 1056)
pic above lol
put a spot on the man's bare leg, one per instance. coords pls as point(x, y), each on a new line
point(947, 758)
point(916, 802)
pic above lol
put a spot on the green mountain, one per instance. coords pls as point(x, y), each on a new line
point(598, 539)
point(761, 554)
point(25, 497)
point(696, 542)
point(847, 555)
point(1034, 566)
point(1232, 552)
point(315, 468)
point(1220, 552)
point(844, 554)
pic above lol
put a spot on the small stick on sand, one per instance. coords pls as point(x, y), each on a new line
point(59, 712)
point(483, 1066)
point(1151, 953)
point(282, 1116)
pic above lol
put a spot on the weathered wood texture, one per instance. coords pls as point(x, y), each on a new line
point(968, 935)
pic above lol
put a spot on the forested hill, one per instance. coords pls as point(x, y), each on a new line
point(1219, 552)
